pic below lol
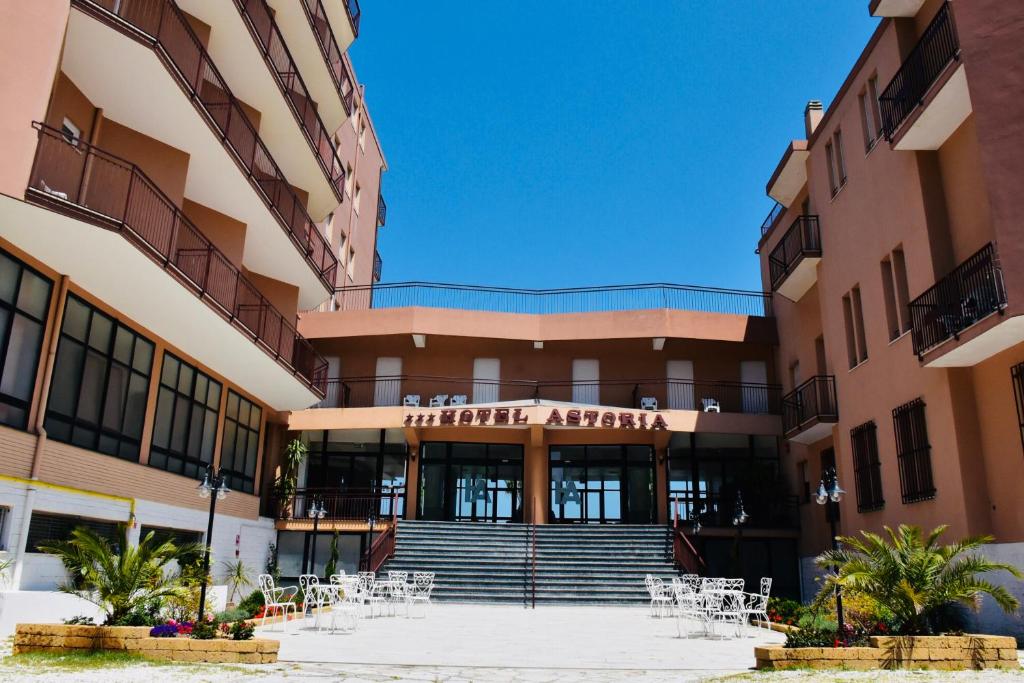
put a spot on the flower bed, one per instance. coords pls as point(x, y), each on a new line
point(950, 653)
point(137, 639)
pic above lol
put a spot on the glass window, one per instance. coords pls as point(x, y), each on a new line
point(238, 453)
point(100, 383)
point(185, 428)
point(24, 300)
point(45, 527)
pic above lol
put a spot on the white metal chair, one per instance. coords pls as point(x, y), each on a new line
point(459, 400)
point(661, 601)
point(711, 405)
point(688, 607)
point(398, 576)
point(371, 594)
point(411, 401)
point(345, 601)
point(276, 600)
point(757, 603)
point(438, 401)
point(648, 403)
point(312, 596)
point(418, 592)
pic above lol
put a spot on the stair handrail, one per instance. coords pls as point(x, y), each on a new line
point(684, 554)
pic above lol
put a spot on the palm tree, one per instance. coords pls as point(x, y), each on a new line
point(236, 574)
point(117, 577)
point(914, 577)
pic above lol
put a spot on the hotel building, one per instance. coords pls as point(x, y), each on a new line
point(895, 262)
point(180, 178)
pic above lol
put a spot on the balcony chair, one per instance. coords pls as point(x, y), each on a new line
point(711, 405)
point(411, 401)
point(276, 600)
point(459, 400)
point(648, 403)
point(438, 401)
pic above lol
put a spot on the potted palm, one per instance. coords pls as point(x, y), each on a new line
point(287, 482)
point(236, 575)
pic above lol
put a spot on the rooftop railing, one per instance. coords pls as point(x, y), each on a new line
point(77, 179)
point(803, 238)
point(671, 394)
point(812, 402)
point(340, 74)
point(260, 21)
point(545, 301)
point(161, 25)
point(972, 291)
point(938, 47)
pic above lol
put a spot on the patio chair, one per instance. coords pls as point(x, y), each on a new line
point(661, 601)
point(459, 400)
point(688, 607)
point(711, 405)
point(438, 401)
point(757, 603)
point(398, 576)
point(728, 610)
point(345, 603)
point(276, 600)
point(648, 403)
point(312, 597)
point(411, 401)
point(418, 592)
point(371, 594)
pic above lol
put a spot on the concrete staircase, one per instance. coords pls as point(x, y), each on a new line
point(576, 564)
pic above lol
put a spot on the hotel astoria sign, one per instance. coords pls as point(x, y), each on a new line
point(572, 417)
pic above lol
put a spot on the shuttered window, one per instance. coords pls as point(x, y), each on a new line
point(867, 468)
point(913, 452)
point(45, 527)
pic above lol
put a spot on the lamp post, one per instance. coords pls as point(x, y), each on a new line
point(739, 518)
point(371, 521)
point(214, 488)
point(695, 518)
point(316, 513)
point(829, 494)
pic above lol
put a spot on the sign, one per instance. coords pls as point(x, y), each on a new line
point(573, 417)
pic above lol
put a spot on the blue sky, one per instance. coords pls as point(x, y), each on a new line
point(558, 143)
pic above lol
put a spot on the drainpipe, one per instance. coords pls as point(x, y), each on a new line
point(37, 455)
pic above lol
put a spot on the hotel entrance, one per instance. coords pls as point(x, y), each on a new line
point(602, 484)
point(471, 482)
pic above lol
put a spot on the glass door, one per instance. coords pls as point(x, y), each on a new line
point(601, 484)
point(471, 482)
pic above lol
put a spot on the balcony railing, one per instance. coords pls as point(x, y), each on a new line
point(82, 181)
point(378, 266)
point(766, 506)
point(812, 402)
point(772, 216)
point(801, 240)
point(161, 25)
point(971, 292)
point(355, 13)
point(341, 506)
point(262, 26)
point(729, 397)
point(340, 74)
point(937, 48)
point(382, 211)
point(545, 301)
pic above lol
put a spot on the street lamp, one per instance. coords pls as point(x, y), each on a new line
point(829, 494)
point(371, 521)
point(316, 513)
point(739, 515)
point(215, 488)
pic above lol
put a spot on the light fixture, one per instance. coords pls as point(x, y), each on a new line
point(822, 497)
point(204, 486)
point(739, 516)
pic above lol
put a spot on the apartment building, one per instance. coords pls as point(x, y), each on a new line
point(178, 182)
point(894, 256)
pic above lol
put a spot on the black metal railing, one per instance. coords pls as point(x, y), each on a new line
point(772, 216)
point(352, 505)
point(331, 51)
point(803, 239)
point(355, 13)
point(813, 401)
point(394, 390)
point(766, 504)
point(971, 292)
point(544, 301)
point(937, 48)
point(382, 211)
point(378, 265)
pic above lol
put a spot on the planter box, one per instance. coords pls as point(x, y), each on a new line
point(61, 637)
point(949, 653)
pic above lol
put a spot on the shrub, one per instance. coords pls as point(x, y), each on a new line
point(233, 614)
point(241, 630)
point(784, 611)
point(80, 620)
point(252, 604)
point(206, 629)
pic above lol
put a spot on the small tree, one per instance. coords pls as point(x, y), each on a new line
point(294, 455)
point(236, 574)
point(332, 559)
point(913, 577)
point(117, 577)
point(272, 567)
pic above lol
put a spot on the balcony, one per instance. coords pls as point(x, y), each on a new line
point(793, 263)
point(221, 140)
point(554, 301)
point(765, 503)
point(927, 99)
point(353, 506)
point(964, 301)
point(772, 218)
point(354, 13)
point(895, 8)
point(382, 211)
point(260, 20)
point(790, 176)
point(730, 397)
point(810, 410)
point(378, 266)
point(246, 334)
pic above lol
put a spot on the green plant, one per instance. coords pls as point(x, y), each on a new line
point(241, 630)
point(285, 484)
point(232, 614)
point(913, 577)
point(332, 558)
point(143, 615)
point(206, 629)
point(80, 620)
point(118, 577)
point(251, 604)
point(185, 605)
point(237, 576)
point(272, 568)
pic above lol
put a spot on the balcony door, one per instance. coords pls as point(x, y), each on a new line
point(585, 376)
point(679, 392)
point(755, 398)
point(387, 388)
point(486, 373)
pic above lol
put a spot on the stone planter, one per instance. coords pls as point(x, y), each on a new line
point(949, 653)
point(136, 639)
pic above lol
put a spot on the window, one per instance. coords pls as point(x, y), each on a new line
point(178, 537)
point(830, 160)
point(851, 340)
point(348, 179)
point(5, 512)
point(357, 198)
point(858, 322)
point(24, 301)
point(840, 157)
point(892, 319)
point(241, 442)
point(867, 469)
point(185, 429)
point(1017, 377)
point(899, 272)
point(869, 114)
point(45, 527)
point(100, 383)
point(856, 337)
point(362, 135)
point(913, 452)
point(836, 162)
point(351, 268)
point(70, 131)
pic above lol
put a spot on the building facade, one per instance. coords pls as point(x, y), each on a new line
point(894, 258)
point(180, 179)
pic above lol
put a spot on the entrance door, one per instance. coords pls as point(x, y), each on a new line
point(601, 484)
point(471, 482)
